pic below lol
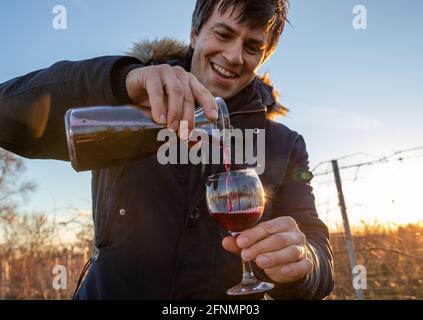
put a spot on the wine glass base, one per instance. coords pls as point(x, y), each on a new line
point(250, 288)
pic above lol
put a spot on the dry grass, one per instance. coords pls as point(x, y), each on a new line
point(393, 258)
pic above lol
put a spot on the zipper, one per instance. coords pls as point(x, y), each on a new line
point(247, 112)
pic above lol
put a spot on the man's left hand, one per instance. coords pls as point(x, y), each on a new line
point(277, 246)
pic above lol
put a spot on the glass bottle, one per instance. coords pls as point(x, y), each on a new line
point(104, 136)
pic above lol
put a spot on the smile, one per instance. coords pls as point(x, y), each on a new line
point(222, 71)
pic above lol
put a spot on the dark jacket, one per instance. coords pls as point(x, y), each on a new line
point(154, 238)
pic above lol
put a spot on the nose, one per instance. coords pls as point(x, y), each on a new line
point(234, 53)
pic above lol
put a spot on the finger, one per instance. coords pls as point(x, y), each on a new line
point(274, 242)
point(156, 98)
point(265, 229)
point(188, 107)
point(175, 94)
point(296, 270)
point(291, 272)
point(229, 244)
point(285, 256)
point(187, 121)
point(146, 103)
point(204, 98)
point(135, 85)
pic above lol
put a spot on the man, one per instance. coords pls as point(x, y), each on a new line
point(153, 235)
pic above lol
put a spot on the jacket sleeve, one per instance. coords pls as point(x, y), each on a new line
point(32, 107)
point(295, 198)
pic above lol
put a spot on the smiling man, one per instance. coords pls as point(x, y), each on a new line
point(227, 53)
point(153, 235)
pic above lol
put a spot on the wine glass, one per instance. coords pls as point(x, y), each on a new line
point(235, 200)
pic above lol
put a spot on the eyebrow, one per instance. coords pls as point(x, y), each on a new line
point(253, 41)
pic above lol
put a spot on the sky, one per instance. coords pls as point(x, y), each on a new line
point(349, 91)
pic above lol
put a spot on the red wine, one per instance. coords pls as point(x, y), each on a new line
point(227, 162)
point(239, 220)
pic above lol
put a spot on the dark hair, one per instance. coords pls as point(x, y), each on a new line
point(257, 14)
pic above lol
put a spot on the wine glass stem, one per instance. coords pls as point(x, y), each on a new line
point(247, 273)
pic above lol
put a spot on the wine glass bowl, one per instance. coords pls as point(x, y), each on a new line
point(236, 200)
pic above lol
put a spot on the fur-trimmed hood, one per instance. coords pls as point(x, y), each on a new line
point(161, 50)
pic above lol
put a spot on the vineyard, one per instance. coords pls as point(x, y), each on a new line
point(393, 259)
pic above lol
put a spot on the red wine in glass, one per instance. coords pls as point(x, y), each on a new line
point(235, 222)
point(235, 200)
point(227, 162)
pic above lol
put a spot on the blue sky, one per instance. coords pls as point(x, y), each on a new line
point(348, 90)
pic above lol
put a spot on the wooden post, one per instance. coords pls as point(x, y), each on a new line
point(348, 237)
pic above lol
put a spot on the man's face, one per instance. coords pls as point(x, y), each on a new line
point(227, 54)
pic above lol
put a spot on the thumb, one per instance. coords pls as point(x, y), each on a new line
point(229, 244)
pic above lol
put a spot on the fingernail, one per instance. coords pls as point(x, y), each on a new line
point(263, 261)
point(286, 270)
point(213, 114)
point(242, 241)
point(162, 118)
point(245, 255)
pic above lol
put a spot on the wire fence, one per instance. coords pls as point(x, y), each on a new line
point(387, 232)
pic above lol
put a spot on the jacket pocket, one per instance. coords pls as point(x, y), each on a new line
point(107, 200)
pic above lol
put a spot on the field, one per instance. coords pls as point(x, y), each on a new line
point(393, 259)
point(31, 250)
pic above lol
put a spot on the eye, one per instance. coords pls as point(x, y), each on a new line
point(221, 35)
point(255, 49)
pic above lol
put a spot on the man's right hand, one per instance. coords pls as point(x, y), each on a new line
point(171, 92)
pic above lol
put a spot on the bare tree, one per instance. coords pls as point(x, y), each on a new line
point(12, 186)
point(31, 244)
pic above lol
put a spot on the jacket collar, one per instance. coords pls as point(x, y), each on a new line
point(257, 96)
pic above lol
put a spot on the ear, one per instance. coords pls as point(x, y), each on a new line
point(193, 37)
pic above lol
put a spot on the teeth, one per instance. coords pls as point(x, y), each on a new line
point(223, 71)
